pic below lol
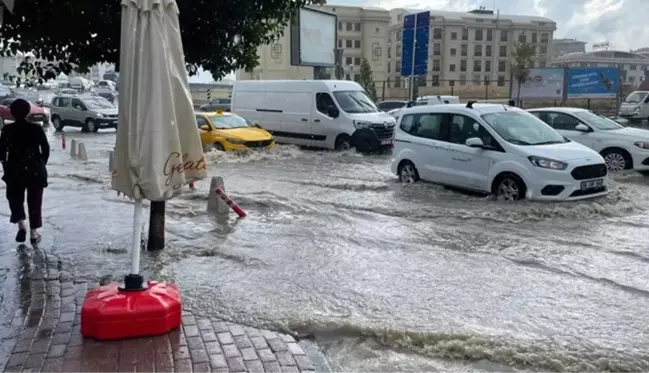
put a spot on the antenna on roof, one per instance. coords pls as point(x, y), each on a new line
point(470, 103)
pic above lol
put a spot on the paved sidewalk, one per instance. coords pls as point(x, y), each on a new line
point(47, 336)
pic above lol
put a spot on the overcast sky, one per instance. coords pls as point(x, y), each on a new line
point(623, 23)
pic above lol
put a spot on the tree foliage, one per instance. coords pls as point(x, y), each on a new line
point(366, 81)
point(219, 36)
point(522, 59)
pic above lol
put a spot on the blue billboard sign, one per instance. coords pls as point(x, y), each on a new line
point(416, 29)
point(592, 82)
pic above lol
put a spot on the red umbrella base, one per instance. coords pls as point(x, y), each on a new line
point(109, 313)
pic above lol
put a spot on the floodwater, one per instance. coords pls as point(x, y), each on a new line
point(385, 277)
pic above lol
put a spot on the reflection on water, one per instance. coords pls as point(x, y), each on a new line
point(335, 247)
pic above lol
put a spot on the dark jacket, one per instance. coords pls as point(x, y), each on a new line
point(24, 152)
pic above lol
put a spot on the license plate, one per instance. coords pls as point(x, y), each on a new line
point(591, 184)
point(386, 142)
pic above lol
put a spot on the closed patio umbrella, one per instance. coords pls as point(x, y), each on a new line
point(158, 148)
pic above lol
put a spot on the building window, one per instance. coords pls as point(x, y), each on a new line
point(357, 61)
point(437, 33)
point(434, 81)
point(397, 82)
point(389, 52)
point(465, 34)
point(348, 61)
point(478, 34)
point(463, 65)
point(357, 26)
point(347, 77)
point(487, 66)
point(357, 44)
point(276, 51)
point(340, 43)
point(477, 66)
point(436, 65)
point(542, 64)
point(437, 49)
point(502, 66)
point(543, 50)
point(399, 35)
point(453, 35)
point(399, 17)
point(377, 30)
point(357, 77)
point(398, 52)
point(389, 67)
point(464, 50)
point(349, 26)
point(477, 50)
point(462, 79)
point(632, 67)
point(340, 25)
point(453, 51)
point(451, 67)
point(501, 81)
point(487, 51)
point(397, 66)
point(503, 51)
point(522, 38)
point(504, 36)
point(544, 37)
point(490, 35)
point(535, 38)
point(476, 80)
point(348, 43)
point(421, 80)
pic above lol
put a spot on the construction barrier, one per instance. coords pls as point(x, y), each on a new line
point(82, 154)
point(229, 202)
point(73, 148)
point(63, 140)
point(214, 203)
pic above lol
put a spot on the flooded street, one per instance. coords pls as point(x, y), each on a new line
point(386, 277)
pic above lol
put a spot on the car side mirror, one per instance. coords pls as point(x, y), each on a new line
point(333, 112)
point(474, 142)
point(205, 127)
point(582, 128)
point(257, 125)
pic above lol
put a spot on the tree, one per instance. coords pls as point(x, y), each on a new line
point(366, 81)
point(522, 59)
point(219, 36)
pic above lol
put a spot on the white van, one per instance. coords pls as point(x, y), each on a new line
point(330, 114)
point(636, 106)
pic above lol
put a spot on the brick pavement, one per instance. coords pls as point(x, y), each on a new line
point(47, 335)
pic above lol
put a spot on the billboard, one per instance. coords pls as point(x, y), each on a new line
point(415, 31)
point(592, 82)
point(541, 83)
point(313, 38)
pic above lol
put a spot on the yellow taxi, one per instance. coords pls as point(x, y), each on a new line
point(228, 132)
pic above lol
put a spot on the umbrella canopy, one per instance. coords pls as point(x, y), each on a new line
point(158, 148)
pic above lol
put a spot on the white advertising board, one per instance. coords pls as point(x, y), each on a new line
point(317, 39)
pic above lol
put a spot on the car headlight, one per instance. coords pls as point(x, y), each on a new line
point(548, 163)
point(642, 144)
point(100, 115)
point(235, 141)
point(361, 124)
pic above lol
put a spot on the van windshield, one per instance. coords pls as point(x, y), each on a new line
point(354, 102)
point(636, 97)
point(522, 128)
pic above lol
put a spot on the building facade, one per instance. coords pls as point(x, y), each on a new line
point(632, 65)
point(470, 48)
point(362, 33)
point(566, 46)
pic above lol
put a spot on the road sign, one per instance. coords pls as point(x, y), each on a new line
point(415, 30)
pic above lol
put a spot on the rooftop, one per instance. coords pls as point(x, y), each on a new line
point(481, 15)
point(604, 54)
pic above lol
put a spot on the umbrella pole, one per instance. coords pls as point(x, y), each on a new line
point(134, 281)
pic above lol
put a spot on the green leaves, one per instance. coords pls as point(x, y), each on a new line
point(219, 36)
point(522, 59)
point(366, 81)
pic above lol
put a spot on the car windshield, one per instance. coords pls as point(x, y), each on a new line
point(522, 128)
point(97, 103)
point(636, 97)
point(598, 121)
point(355, 102)
point(229, 121)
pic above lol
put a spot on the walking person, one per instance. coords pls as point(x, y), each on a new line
point(24, 152)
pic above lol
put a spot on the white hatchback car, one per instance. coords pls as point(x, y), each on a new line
point(497, 149)
point(622, 147)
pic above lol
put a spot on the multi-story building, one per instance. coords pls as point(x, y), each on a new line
point(565, 46)
point(632, 65)
point(362, 33)
point(469, 48)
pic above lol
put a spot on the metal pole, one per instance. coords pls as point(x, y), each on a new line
point(412, 69)
point(156, 239)
point(137, 237)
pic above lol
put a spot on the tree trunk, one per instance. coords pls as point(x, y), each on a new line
point(156, 226)
point(518, 95)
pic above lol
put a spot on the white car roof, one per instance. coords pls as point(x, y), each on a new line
point(560, 109)
point(477, 108)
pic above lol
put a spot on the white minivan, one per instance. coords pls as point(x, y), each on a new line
point(331, 114)
point(496, 149)
point(635, 107)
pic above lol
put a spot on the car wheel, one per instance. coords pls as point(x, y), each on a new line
point(90, 126)
point(510, 188)
point(408, 173)
point(57, 124)
point(615, 160)
point(343, 142)
point(219, 147)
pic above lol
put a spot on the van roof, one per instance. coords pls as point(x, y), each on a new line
point(333, 85)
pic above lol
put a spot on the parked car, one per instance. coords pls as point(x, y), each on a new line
point(29, 95)
point(494, 149)
point(623, 148)
point(390, 105)
point(37, 114)
point(88, 112)
point(107, 93)
point(635, 107)
point(220, 104)
point(330, 114)
point(226, 132)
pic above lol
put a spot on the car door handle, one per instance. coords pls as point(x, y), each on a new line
point(317, 120)
point(304, 120)
point(461, 159)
